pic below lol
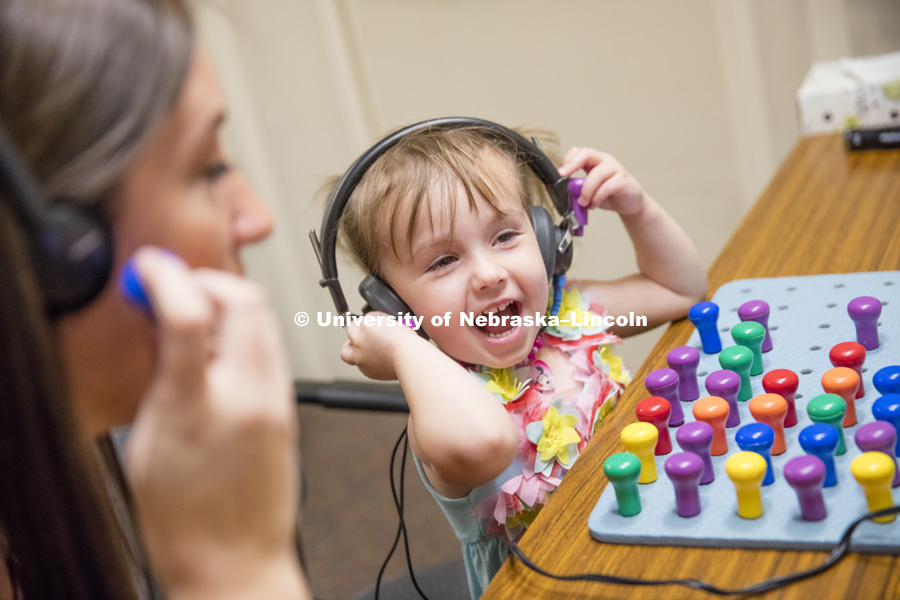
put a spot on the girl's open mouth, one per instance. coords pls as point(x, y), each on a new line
point(498, 320)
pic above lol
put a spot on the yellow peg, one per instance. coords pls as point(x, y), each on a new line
point(640, 440)
point(874, 471)
point(747, 470)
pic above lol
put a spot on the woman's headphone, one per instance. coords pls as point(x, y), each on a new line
point(72, 246)
point(555, 241)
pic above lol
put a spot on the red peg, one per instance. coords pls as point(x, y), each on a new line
point(713, 410)
point(771, 410)
point(852, 355)
point(656, 410)
point(844, 382)
point(783, 382)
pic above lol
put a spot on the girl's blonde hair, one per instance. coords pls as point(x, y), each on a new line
point(430, 164)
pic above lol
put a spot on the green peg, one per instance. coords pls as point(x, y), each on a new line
point(751, 334)
point(829, 409)
point(739, 359)
point(622, 470)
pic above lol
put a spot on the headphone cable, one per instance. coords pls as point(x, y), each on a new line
point(838, 552)
point(401, 525)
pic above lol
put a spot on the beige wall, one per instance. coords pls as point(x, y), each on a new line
point(695, 97)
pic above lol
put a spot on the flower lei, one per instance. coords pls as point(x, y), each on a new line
point(554, 426)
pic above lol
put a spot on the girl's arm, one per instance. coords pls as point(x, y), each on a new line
point(459, 431)
point(670, 277)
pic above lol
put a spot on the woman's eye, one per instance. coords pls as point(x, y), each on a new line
point(441, 263)
point(215, 171)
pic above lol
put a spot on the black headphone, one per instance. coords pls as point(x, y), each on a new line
point(72, 246)
point(555, 241)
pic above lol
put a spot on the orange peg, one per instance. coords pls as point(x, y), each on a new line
point(844, 382)
point(713, 410)
point(771, 410)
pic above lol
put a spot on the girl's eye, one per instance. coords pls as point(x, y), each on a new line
point(440, 263)
point(215, 171)
point(507, 236)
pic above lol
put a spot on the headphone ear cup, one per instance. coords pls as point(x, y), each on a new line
point(76, 257)
point(380, 296)
point(549, 237)
point(545, 231)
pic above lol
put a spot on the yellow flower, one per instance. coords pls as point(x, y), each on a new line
point(559, 432)
point(504, 383)
point(525, 517)
point(571, 308)
point(617, 370)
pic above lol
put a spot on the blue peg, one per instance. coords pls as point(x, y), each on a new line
point(887, 408)
point(821, 440)
point(887, 380)
point(758, 437)
point(704, 316)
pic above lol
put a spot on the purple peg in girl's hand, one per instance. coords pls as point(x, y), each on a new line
point(696, 437)
point(684, 470)
point(806, 474)
point(758, 311)
point(581, 212)
point(664, 383)
point(879, 436)
point(726, 384)
point(865, 311)
point(684, 361)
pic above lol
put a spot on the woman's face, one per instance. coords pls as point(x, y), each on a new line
point(181, 195)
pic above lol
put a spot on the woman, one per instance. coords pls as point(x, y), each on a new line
point(112, 108)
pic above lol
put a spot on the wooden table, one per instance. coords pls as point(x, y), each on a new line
point(826, 211)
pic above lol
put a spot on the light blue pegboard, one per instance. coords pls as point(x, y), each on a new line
point(808, 315)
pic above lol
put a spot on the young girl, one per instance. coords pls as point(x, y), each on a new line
point(500, 412)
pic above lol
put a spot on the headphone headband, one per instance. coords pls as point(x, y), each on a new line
point(530, 151)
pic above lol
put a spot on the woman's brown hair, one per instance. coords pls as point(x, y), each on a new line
point(83, 84)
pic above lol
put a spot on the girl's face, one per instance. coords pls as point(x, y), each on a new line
point(480, 264)
point(182, 195)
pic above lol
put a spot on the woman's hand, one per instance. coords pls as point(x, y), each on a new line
point(607, 184)
point(212, 456)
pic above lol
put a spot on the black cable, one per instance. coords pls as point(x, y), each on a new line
point(401, 524)
point(838, 552)
point(409, 566)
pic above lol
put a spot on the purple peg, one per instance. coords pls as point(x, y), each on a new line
point(696, 437)
point(726, 384)
point(684, 470)
point(865, 311)
point(580, 212)
point(684, 360)
point(664, 383)
point(757, 310)
point(806, 474)
point(879, 436)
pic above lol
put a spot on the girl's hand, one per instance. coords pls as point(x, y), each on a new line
point(373, 348)
point(212, 456)
point(607, 184)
